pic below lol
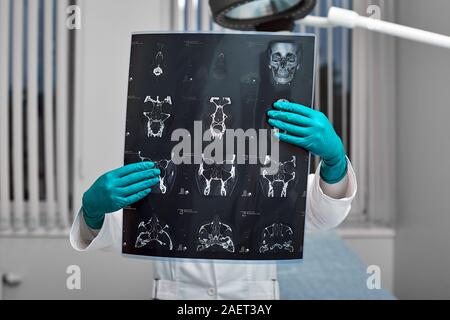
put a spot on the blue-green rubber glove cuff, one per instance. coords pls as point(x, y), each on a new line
point(94, 222)
point(333, 172)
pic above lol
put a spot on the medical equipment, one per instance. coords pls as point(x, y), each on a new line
point(280, 15)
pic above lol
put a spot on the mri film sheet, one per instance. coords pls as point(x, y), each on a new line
point(185, 87)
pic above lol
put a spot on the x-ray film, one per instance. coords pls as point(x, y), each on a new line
point(186, 93)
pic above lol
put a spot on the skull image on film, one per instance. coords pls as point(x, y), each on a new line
point(284, 61)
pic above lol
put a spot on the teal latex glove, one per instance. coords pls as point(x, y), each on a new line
point(117, 189)
point(311, 130)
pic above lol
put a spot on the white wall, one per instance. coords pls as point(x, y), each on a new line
point(374, 246)
point(422, 252)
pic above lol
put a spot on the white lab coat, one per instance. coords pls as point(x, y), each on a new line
point(327, 206)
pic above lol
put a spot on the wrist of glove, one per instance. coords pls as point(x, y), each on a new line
point(334, 171)
point(94, 222)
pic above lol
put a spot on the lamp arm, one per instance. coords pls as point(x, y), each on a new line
point(315, 21)
point(338, 17)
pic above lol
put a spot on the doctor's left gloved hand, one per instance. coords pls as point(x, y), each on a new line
point(117, 189)
point(311, 130)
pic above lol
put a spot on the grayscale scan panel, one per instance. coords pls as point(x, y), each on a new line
point(187, 94)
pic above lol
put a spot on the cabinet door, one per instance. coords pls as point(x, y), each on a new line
point(39, 268)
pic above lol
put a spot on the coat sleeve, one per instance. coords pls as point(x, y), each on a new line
point(327, 205)
point(108, 238)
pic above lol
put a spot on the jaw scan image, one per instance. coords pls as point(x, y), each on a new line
point(277, 237)
point(152, 232)
point(275, 185)
point(284, 61)
point(215, 235)
point(168, 174)
point(216, 179)
point(157, 116)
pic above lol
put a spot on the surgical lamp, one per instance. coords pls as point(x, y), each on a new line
point(281, 15)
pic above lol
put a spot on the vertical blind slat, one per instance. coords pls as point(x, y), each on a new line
point(48, 116)
point(330, 69)
point(5, 207)
point(318, 100)
point(17, 106)
point(205, 16)
point(32, 115)
point(192, 14)
point(345, 79)
point(317, 32)
point(62, 114)
point(182, 23)
point(358, 117)
point(302, 28)
point(174, 8)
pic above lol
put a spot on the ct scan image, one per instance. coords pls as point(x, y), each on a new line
point(235, 208)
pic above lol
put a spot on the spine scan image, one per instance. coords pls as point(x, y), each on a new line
point(218, 125)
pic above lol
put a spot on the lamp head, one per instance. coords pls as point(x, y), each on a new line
point(260, 15)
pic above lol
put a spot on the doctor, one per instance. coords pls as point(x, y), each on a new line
point(98, 226)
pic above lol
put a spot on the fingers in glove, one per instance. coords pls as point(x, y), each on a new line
point(294, 108)
point(133, 168)
point(138, 177)
point(291, 118)
point(290, 128)
point(136, 197)
point(138, 187)
point(297, 141)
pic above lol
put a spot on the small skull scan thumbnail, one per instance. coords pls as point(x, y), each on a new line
point(284, 61)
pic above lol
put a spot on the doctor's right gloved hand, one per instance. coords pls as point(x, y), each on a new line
point(117, 189)
point(311, 130)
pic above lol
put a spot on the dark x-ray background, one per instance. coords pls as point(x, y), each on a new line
point(195, 71)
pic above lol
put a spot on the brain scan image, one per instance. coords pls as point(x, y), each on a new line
point(277, 237)
point(158, 114)
point(168, 174)
point(216, 179)
point(275, 185)
point(215, 235)
point(284, 61)
point(153, 232)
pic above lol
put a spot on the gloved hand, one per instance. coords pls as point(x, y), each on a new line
point(311, 130)
point(117, 189)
